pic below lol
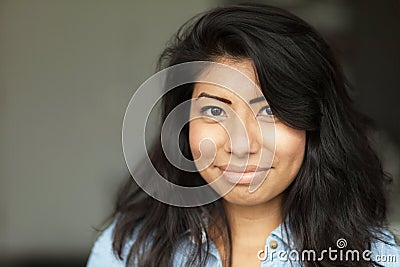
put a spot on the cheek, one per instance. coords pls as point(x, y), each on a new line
point(205, 140)
point(289, 154)
point(195, 136)
point(290, 146)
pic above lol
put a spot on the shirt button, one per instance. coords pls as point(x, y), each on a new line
point(273, 244)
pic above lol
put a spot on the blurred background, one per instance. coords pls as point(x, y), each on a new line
point(67, 72)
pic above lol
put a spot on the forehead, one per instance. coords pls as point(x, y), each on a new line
point(244, 66)
point(230, 78)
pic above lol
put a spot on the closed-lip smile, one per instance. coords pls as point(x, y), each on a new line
point(242, 169)
point(243, 174)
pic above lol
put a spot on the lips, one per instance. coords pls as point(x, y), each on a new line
point(242, 169)
point(243, 174)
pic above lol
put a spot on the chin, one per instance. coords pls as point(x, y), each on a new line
point(240, 195)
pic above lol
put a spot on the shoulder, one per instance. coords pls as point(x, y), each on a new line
point(102, 253)
point(386, 251)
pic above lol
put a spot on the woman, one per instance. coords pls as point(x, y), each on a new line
point(322, 193)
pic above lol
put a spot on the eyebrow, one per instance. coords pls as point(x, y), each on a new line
point(215, 97)
point(252, 101)
point(258, 99)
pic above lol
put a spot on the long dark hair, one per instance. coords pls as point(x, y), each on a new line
point(339, 191)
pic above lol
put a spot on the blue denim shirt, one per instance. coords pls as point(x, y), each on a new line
point(276, 252)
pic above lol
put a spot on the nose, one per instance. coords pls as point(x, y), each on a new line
point(244, 136)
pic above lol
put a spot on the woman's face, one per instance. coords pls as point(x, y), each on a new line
point(236, 139)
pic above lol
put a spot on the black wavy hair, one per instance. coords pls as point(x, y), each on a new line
point(339, 191)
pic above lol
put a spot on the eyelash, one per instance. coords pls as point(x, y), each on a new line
point(206, 108)
point(209, 108)
point(267, 107)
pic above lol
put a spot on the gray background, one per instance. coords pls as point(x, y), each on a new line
point(67, 72)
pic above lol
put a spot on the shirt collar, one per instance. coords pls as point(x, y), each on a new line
point(279, 232)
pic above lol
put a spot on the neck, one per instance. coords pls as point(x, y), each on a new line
point(250, 225)
point(254, 222)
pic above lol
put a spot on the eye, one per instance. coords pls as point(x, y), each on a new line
point(266, 112)
point(212, 111)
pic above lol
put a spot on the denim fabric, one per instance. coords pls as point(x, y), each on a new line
point(281, 254)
